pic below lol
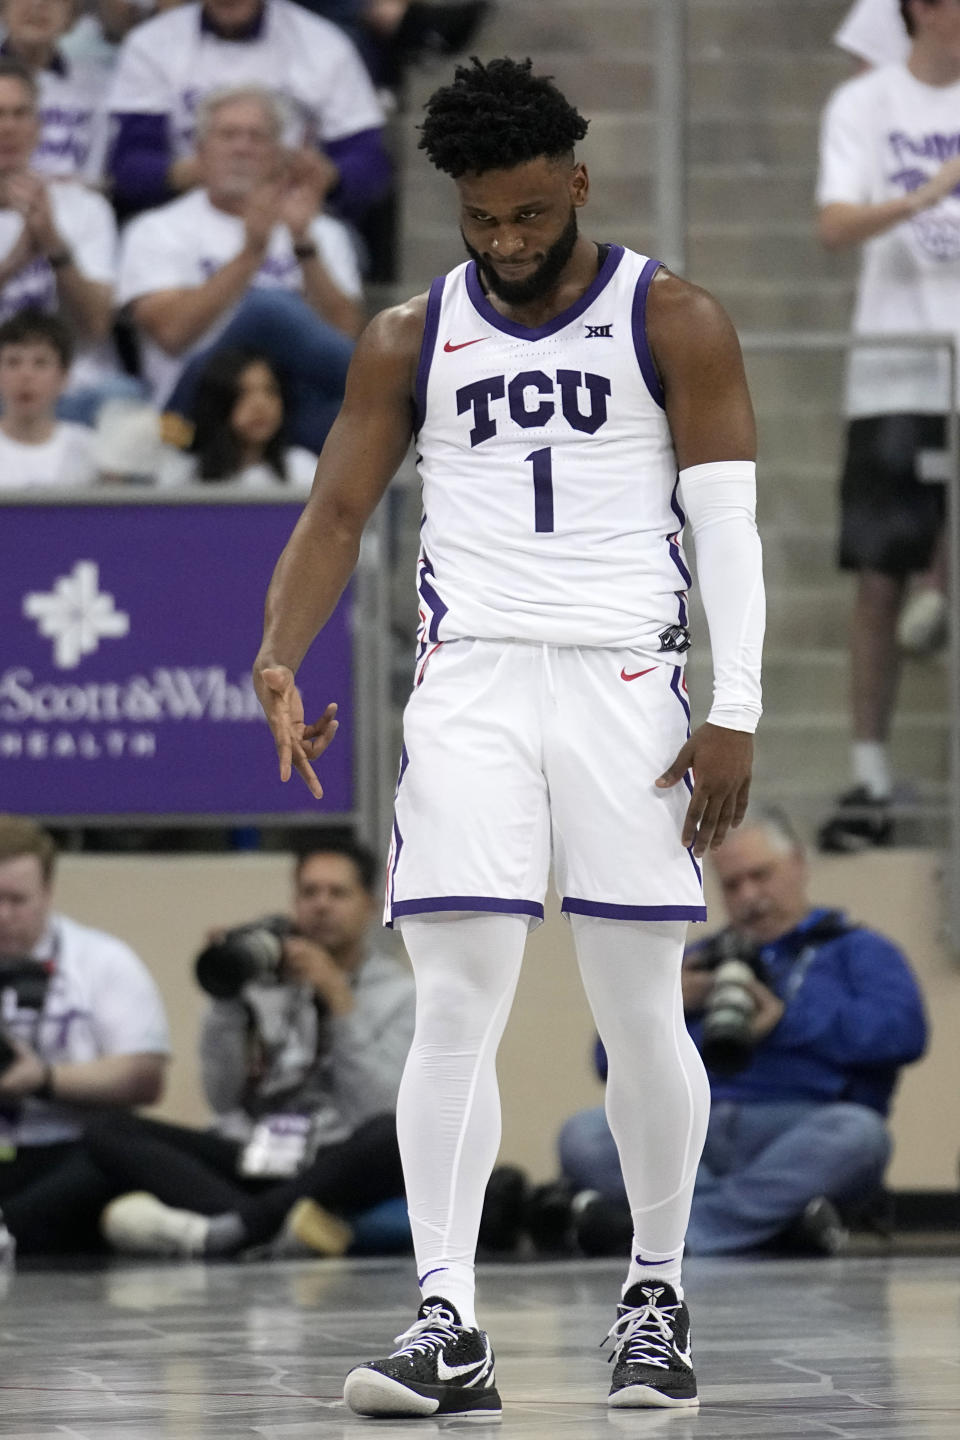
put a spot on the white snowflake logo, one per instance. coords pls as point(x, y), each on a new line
point(76, 615)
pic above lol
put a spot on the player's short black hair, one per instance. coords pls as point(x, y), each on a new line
point(36, 325)
point(498, 115)
point(364, 861)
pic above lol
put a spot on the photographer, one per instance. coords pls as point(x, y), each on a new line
point(302, 1050)
point(82, 1028)
point(803, 1019)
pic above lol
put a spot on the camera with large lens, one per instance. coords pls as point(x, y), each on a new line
point(27, 979)
point(727, 1042)
point(247, 953)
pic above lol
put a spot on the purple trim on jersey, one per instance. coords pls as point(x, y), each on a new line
point(559, 322)
point(676, 688)
point(432, 904)
point(640, 342)
point(673, 540)
point(430, 597)
point(569, 906)
point(427, 347)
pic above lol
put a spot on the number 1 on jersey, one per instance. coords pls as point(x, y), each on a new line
point(542, 462)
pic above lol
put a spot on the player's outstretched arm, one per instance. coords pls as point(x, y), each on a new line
point(714, 435)
point(363, 450)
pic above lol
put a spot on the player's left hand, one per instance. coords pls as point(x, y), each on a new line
point(722, 762)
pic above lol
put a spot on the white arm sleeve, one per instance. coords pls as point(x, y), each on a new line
point(720, 501)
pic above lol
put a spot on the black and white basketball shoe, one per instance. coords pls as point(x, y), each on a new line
point(651, 1339)
point(441, 1368)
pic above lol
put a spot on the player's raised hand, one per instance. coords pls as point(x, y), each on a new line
point(722, 763)
point(298, 744)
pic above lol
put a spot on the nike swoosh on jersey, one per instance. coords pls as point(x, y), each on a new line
point(449, 347)
point(625, 676)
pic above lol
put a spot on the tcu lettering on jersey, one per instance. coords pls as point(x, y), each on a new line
point(549, 478)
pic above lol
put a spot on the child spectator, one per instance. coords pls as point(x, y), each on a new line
point(239, 434)
point(35, 447)
point(71, 91)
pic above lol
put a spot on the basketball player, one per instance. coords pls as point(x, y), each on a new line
point(555, 387)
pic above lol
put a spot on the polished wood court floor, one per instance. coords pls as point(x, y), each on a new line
point(865, 1348)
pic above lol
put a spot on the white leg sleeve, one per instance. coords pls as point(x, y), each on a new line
point(658, 1095)
point(448, 1109)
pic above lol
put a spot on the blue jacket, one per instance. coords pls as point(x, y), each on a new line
point(854, 1014)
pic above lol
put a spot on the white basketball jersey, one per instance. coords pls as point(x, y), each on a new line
point(548, 470)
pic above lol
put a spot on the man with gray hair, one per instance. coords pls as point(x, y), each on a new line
point(247, 260)
point(803, 1019)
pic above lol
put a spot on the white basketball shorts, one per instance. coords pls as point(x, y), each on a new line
point(515, 753)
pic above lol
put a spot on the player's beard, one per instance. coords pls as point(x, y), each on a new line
point(544, 278)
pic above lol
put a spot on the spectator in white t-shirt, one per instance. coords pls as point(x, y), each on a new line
point(874, 31)
point(890, 182)
point(57, 251)
point(37, 449)
point(82, 1029)
point(247, 260)
point(169, 64)
point(239, 434)
point(72, 92)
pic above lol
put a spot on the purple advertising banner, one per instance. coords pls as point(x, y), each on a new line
point(127, 632)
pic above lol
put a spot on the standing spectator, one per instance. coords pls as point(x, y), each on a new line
point(874, 31)
point(72, 106)
point(83, 1028)
point(57, 250)
point(239, 435)
point(887, 185)
point(246, 260)
point(832, 1012)
point(169, 64)
point(35, 447)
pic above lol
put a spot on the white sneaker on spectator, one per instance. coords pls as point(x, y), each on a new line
point(922, 627)
point(140, 1224)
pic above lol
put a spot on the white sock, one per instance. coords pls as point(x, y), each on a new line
point(658, 1095)
point(448, 1109)
point(871, 768)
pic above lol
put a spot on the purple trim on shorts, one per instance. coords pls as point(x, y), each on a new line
point(566, 317)
point(570, 906)
point(432, 904)
point(430, 597)
point(675, 687)
point(640, 342)
point(397, 836)
point(427, 347)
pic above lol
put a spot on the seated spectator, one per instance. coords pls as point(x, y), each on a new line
point(392, 34)
point(82, 1029)
point(72, 100)
point(301, 1067)
point(167, 66)
point(35, 447)
point(57, 251)
point(246, 261)
point(831, 1012)
point(239, 436)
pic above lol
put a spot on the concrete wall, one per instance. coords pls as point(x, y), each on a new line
point(164, 905)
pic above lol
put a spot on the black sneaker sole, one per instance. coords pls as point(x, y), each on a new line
point(368, 1392)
